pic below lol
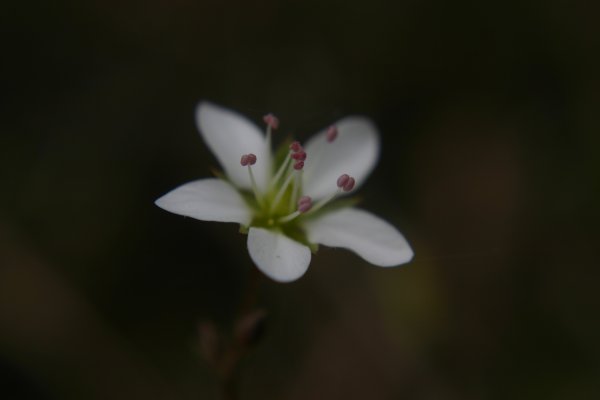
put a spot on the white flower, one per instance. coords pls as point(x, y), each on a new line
point(287, 204)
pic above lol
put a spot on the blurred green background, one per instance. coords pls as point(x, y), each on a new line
point(490, 123)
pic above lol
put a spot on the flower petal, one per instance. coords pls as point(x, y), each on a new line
point(369, 236)
point(278, 256)
point(229, 135)
point(207, 200)
point(354, 152)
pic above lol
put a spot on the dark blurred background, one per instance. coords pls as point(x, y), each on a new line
point(488, 113)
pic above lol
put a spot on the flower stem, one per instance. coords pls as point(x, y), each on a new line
point(229, 365)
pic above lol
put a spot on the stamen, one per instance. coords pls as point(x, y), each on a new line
point(289, 217)
point(342, 180)
point(331, 134)
point(345, 183)
point(349, 185)
point(296, 186)
point(280, 171)
point(281, 191)
point(300, 155)
point(249, 160)
point(271, 121)
point(296, 147)
point(304, 205)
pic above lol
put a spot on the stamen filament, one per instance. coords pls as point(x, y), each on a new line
point(269, 137)
point(280, 171)
point(255, 187)
point(296, 188)
point(281, 191)
point(289, 217)
point(272, 123)
point(324, 201)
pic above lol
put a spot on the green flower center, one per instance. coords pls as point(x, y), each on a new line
point(282, 206)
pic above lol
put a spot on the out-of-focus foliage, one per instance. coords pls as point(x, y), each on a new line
point(491, 167)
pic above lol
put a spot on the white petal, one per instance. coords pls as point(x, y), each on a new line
point(229, 135)
point(369, 236)
point(354, 152)
point(207, 200)
point(278, 256)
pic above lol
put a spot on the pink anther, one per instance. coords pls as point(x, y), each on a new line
point(304, 204)
point(271, 120)
point(299, 156)
point(342, 180)
point(298, 165)
point(244, 160)
point(251, 159)
point(304, 199)
point(349, 185)
point(331, 134)
point(296, 147)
